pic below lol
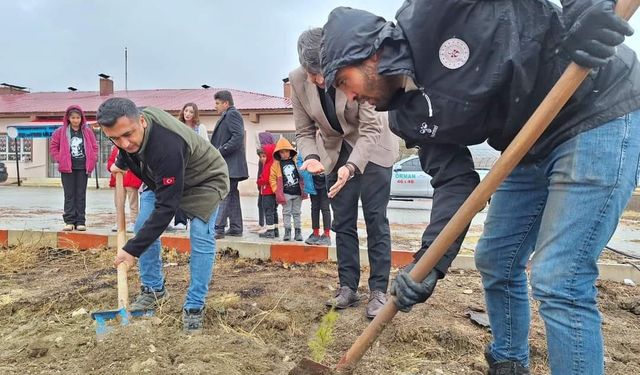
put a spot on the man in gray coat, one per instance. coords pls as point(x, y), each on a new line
point(228, 138)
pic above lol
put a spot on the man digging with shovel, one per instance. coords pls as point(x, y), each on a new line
point(457, 73)
point(180, 170)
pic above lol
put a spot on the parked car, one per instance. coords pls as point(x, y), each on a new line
point(410, 181)
point(3, 173)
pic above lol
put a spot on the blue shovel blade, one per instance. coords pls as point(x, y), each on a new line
point(102, 317)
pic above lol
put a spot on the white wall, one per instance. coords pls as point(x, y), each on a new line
point(37, 167)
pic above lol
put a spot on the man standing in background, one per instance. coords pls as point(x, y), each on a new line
point(228, 138)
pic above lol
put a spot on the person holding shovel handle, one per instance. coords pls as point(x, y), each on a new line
point(457, 73)
point(180, 170)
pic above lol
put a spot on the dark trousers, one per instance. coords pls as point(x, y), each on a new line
point(373, 188)
point(270, 209)
point(74, 185)
point(320, 202)
point(260, 211)
point(230, 211)
point(180, 217)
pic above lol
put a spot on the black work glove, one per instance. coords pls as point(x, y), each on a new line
point(593, 37)
point(408, 292)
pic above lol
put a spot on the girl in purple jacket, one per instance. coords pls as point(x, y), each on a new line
point(74, 147)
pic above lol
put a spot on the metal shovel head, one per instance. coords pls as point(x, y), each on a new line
point(103, 317)
point(309, 367)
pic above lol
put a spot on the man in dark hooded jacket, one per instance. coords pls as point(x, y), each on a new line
point(457, 73)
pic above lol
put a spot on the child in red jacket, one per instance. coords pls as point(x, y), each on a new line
point(260, 228)
point(131, 185)
point(268, 195)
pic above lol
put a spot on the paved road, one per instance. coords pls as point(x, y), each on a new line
point(40, 208)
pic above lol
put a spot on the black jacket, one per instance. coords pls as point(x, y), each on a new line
point(228, 138)
point(510, 56)
point(515, 57)
point(181, 168)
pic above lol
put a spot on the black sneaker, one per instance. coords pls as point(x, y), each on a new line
point(268, 234)
point(298, 234)
point(324, 241)
point(312, 239)
point(192, 320)
point(504, 367)
point(276, 232)
point(148, 299)
point(287, 234)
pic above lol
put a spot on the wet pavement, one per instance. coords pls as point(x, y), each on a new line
point(40, 208)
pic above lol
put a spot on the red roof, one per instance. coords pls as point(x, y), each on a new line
point(167, 99)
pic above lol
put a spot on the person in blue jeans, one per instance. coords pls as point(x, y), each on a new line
point(180, 170)
point(477, 71)
point(201, 260)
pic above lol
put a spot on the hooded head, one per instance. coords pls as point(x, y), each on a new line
point(283, 145)
point(268, 152)
point(74, 116)
point(266, 138)
point(364, 55)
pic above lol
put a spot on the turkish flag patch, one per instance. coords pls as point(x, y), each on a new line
point(166, 181)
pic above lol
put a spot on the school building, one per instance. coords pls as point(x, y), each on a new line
point(21, 108)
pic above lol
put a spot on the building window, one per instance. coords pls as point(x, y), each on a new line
point(104, 150)
point(8, 149)
point(290, 136)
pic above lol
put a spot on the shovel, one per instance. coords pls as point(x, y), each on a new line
point(528, 135)
point(103, 317)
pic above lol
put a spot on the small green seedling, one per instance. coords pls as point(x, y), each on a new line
point(324, 336)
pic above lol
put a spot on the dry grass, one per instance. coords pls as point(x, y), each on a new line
point(222, 303)
point(18, 258)
point(28, 255)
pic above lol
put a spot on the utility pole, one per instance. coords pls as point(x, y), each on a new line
point(126, 63)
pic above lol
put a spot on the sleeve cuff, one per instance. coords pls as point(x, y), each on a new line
point(355, 168)
point(312, 156)
point(120, 163)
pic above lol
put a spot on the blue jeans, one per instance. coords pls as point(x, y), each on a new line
point(563, 210)
point(203, 253)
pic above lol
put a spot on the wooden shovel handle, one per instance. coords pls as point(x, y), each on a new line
point(528, 135)
point(123, 287)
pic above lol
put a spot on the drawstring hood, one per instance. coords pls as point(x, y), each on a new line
point(352, 36)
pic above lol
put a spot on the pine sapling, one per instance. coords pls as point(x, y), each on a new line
point(323, 336)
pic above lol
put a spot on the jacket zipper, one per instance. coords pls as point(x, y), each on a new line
point(424, 94)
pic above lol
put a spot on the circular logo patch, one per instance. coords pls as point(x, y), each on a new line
point(454, 53)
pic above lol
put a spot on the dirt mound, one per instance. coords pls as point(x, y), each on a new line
point(260, 318)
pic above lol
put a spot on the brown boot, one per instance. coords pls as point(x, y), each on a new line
point(344, 298)
point(377, 299)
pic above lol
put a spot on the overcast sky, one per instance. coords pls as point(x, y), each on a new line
point(48, 45)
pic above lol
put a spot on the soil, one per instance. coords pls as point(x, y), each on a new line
point(260, 318)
